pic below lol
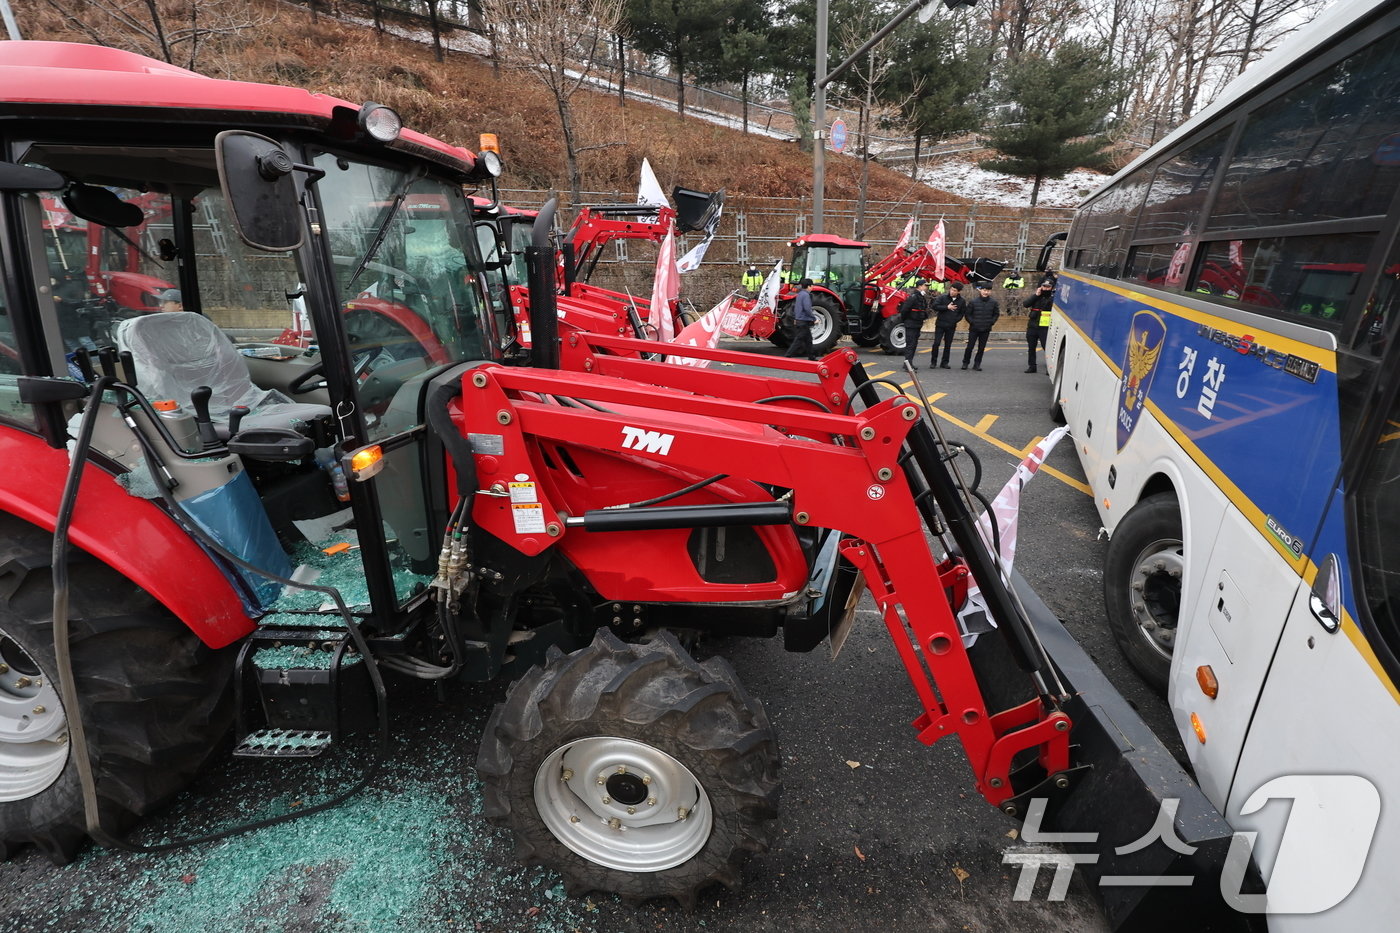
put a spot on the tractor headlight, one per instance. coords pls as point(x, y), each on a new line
point(491, 161)
point(380, 122)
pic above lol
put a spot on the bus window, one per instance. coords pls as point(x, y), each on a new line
point(1179, 189)
point(1325, 150)
point(1314, 277)
point(1377, 494)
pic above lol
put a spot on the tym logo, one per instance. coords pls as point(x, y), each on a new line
point(651, 442)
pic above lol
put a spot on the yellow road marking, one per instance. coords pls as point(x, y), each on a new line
point(986, 423)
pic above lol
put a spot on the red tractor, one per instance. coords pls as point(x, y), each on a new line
point(850, 298)
point(256, 538)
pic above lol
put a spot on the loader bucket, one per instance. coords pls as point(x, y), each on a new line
point(1122, 773)
point(696, 210)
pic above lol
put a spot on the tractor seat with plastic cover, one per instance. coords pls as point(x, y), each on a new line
point(176, 352)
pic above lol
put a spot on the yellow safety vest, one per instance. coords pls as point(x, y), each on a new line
point(937, 287)
point(1010, 282)
point(1045, 318)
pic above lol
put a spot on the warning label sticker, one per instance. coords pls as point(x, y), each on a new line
point(528, 517)
point(523, 492)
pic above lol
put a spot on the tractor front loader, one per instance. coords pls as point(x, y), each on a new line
point(269, 539)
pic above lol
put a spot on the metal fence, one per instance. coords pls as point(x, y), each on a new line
point(758, 230)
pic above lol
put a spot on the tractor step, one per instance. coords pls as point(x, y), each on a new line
point(298, 690)
point(283, 743)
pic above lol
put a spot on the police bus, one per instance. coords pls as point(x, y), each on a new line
point(1222, 348)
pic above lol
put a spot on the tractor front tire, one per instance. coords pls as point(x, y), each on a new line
point(893, 339)
point(782, 330)
point(633, 769)
point(155, 700)
point(826, 332)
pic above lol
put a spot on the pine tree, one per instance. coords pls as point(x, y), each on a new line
point(1059, 106)
point(684, 32)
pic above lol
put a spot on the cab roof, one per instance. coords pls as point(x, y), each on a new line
point(45, 77)
point(827, 239)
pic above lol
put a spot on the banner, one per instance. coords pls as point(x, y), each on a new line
point(906, 236)
point(704, 332)
point(1006, 509)
point(937, 245)
point(664, 290)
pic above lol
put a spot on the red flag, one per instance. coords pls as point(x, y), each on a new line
point(664, 290)
point(703, 333)
point(906, 236)
point(937, 246)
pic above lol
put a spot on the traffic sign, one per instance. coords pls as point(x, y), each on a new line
point(838, 135)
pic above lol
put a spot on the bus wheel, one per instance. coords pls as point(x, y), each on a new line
point(155, 699)
point(1142, 585)
point(632, 768)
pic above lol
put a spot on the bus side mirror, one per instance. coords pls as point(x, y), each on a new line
point(256, 177)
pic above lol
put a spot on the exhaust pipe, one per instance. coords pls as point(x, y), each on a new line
point(541, 260)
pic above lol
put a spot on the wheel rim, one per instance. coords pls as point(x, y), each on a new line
point(33, 727)
point(821, 328)
point(1154, 593)
point(584, 791)
point(899, 339)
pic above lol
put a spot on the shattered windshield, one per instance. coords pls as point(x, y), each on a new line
point(399, 251)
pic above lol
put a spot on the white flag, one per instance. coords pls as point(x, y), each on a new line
point(768, 295)
point(1006, 510)
point(649, 191)
point(664, 290)
point(691, 260)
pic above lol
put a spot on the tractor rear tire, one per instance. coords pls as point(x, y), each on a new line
point(893, 339)
point(866, 340)
point(782, 331)
point(621, 740)
point(155, 700)
point(1142, 581)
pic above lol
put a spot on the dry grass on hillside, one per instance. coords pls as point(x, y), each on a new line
point(462, 97)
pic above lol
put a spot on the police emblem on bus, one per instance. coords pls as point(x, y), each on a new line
point(1144, 348)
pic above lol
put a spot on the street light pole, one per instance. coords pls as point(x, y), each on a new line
point(819, 123)
point(824, 78)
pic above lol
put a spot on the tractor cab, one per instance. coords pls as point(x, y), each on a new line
point(831, 262)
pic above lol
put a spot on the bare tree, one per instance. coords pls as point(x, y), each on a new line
point(175, 31)
point(559, 43)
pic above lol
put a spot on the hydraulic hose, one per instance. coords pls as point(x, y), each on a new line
point(63, 658)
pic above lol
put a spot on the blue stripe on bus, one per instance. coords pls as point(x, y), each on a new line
point(1263, 417)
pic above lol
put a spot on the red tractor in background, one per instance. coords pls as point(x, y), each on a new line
point(95, 272)
point(852, 299)
point(503, 231)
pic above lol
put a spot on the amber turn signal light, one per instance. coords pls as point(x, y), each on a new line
point(1199, 728)
point(1206, 678)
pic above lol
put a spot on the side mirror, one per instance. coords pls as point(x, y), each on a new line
point(256, 177)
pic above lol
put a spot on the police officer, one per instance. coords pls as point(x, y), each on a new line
point(1013, 280)
point(937, 287)
point(913, 310)
point(949, 309)
point(1037, 320)
point(753, 279)
point(982, 312)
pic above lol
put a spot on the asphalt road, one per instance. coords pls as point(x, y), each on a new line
point(876, 831)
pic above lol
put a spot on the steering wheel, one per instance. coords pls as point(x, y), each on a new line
point(316, 371)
